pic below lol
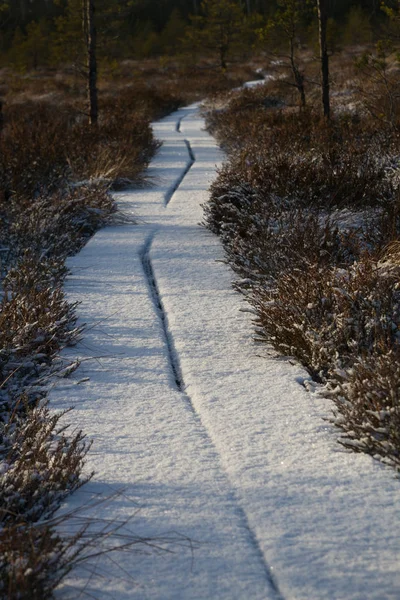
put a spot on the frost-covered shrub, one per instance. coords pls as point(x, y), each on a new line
point(327, 317)
point(40, 460)
point(324, 178)
point(367, 399)
point(40, 464)
point(309, 217)
point(301, 159)
point(34, 559)
point(35, 322)
point(54, 225)
point(42, 147)
point(263, 236)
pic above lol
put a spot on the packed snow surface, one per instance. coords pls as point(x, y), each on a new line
point(213, 442)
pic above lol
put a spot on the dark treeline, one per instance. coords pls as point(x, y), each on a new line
point(158, 12)
point(46, 32)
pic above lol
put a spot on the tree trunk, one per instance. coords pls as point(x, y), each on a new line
point(323, 21)
point(1, 116)
point(92, 62)
point(297, 76)
point(222, 57)
point(195, 7)
point(248, 6)
point(302, 91)
point(222, 61)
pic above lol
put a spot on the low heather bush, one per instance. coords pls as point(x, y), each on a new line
point(263, 236)
point(40, 460)
point(367, 399)
point(308, 213)
point(34, 559)
point(327, 317)
point(35, 323)
point(54, 225)
point(326, 178)
point(40, 463)
point(42, 148)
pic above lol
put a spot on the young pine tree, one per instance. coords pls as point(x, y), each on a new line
point(76, 40)
point(322, 6)
point(282, 34)
point(218, 29)
point(91, 53)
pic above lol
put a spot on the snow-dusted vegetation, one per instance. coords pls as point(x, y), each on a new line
point(46, 215)
point(55, 179)
point(214, 439)
point(308, 213)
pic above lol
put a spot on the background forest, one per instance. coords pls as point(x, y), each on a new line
point(37, 33)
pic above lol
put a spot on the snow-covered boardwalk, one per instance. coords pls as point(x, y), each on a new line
point(208, 436)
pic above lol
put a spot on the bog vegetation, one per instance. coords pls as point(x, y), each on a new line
point(307, 206)
point(308, 210)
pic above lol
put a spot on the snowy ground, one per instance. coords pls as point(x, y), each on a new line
point(209, 436)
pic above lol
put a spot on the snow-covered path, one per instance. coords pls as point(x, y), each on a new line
point(207, 437)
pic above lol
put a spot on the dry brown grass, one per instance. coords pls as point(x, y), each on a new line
point(301, 159)
point(56, 224)
point(34, 559)
point(43, 147)
point(41, 461)
point(46, 140)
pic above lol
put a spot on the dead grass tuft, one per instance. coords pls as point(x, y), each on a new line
point(43, 148)
point(34, 559)
point(42, 463)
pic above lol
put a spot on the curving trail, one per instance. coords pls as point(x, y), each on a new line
point(207, 437)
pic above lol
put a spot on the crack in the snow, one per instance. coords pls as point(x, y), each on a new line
point(178, 124)
point(192, 160)
point(270, 577)
point(180, 385)
point(177, 371)
point(190, 152)
point(155, 294)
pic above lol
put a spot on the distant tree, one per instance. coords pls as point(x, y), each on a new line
point(90, 31)
point(4, 13)
point(31, 50)
point(358, 28)
point(218, 28)
point(392, 10)
point(16, 54)
point(171, 36)
point(322, 7)
point(5, 20)
point(145, 41)
point(379, 86)
point(76, 40)
point(68, 40)
point(282, 34)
